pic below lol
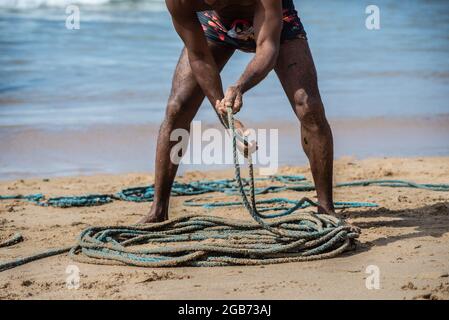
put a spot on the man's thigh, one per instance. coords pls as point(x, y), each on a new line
point(296, 70)
point(185, 88)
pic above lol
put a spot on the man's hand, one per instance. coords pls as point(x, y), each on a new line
point(221, 109)
point(233, 98)
point(244, 149)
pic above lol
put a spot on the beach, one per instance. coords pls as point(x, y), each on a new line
point(406, 237)
point(80, 110)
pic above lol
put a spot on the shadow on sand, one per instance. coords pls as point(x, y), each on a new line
point(431, 220)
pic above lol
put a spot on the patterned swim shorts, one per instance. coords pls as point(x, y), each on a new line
point(240, 33)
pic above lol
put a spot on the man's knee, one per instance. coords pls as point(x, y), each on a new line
point(174, 112)
point(310, 110)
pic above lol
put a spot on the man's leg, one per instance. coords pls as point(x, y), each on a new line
point(296, 71)
point(185, 98)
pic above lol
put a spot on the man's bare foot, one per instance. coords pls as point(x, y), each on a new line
point(153, 217)
point(354, 228)
point(342, 217)
point(329, 211)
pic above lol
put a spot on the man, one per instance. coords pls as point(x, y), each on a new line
point(211, 31)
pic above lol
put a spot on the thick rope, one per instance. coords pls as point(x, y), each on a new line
point(16, 238)
point(227, 186)
point(273, 204)
point(396, 184)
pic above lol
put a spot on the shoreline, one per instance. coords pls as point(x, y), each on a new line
point(406, 237)
point(403, 120)
point(114, 149)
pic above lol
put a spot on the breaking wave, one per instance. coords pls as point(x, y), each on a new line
point(152, 5)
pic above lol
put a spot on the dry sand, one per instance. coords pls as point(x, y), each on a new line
point(407, 237)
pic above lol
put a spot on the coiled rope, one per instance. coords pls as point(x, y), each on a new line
point(199, 240)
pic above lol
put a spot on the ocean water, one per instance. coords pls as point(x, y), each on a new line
point(90, 100)
point(118, 66)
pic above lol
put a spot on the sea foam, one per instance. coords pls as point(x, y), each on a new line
point(34, 4)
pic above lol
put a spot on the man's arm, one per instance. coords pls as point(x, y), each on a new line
point(267, 27)
point(201, 60)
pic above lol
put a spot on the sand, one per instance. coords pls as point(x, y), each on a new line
point(406, 238)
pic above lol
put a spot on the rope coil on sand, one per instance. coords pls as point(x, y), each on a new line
point(198, 240)
point(219, 241)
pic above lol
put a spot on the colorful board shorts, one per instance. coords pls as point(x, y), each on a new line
point(240, 33)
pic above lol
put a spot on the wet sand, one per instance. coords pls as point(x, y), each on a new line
point(52, 152)
point(407, 238)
